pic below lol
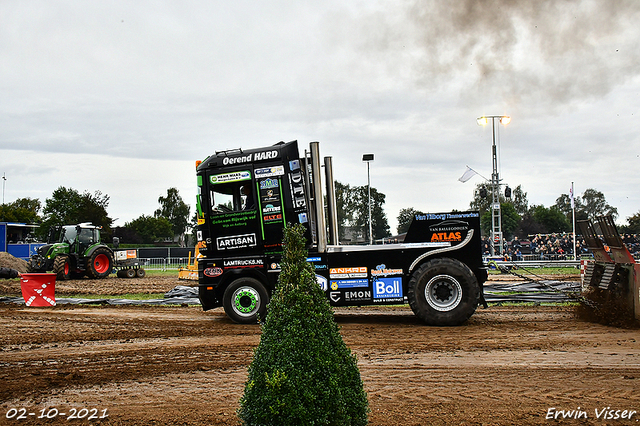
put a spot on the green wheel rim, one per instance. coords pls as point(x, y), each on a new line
point(246, 301)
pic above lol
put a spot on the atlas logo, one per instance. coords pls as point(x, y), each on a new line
point(446, 237)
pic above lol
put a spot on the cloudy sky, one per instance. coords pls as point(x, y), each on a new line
point(123, 97)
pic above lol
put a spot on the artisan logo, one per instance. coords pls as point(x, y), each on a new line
point(236, 242)
point(446, 237)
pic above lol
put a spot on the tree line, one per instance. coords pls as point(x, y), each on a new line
point(67, 206)
point(171, 220)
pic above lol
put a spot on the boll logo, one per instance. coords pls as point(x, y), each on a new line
point(446, 237)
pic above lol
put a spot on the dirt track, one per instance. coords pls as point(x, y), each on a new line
point(179, 365)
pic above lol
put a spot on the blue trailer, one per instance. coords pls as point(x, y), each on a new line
point(15, 239)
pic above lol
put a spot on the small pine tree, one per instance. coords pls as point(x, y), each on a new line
point(302, 372)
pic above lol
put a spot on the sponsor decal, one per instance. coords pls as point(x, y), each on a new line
point(270, 208)
point(313, 259)
point(257, 156)
point(269, 172)
point(302, 218)
point(230, 177)
point(358, 272)
point(234, 219)
point(357, 295)
point(382, 271)
point(336, 284)
point(449, 226)
point(272, 218)
point(274, 267)
point(386, 288)
point(297, 190)
point(269, 196)
point(334, 296)
point(236, 242)
point(294, 165)
point(449, 237)
point(322, 282)
point(269, 183)
point(213, 272)
point(243, 263)
point(445, 216)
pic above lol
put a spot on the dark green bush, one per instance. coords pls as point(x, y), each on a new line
point(302, 372)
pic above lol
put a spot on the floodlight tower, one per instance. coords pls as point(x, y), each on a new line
point(368, 158)
point(496, 220)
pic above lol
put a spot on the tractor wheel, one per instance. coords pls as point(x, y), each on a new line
point(100, 263)
point(61, 267)
point(141, 273)
point(245, 301)
point(121, 273)
point(443, 292)
point(130, 273)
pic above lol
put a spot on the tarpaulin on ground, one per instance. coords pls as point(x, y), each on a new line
point(536, 292)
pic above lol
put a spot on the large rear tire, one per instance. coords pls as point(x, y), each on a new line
point(100, 263)
point(443, 292)
point(245, 301)
point(61, 267)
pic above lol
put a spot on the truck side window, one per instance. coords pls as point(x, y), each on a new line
point(232, 197)
point(221, 201)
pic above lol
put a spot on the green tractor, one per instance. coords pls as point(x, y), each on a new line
point(73, 251)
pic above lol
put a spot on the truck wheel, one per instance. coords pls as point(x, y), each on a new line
point(61, 267)
point(141, 273)
point(443, 292)
point(100, 263)
point(130, 273)
point(245, 301)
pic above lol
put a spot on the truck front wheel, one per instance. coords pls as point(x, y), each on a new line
point(443, 292)
point(245, 301)
point(100, 263)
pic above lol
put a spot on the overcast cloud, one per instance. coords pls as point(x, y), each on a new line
point(123, 97)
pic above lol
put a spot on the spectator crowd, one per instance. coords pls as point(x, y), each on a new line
point(558, 246)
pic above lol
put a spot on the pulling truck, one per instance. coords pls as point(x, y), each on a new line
point(246, 198)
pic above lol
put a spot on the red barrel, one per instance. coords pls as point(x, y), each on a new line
point(38, 289)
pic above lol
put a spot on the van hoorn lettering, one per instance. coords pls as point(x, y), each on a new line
point(297, 190)
point(258, 156)
point(446, 237)
point(237, 241)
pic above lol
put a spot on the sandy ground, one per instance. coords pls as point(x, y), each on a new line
point(179, 365)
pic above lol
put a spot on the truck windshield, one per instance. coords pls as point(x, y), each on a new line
point(68, 234)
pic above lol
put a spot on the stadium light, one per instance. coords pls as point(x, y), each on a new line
point(496, 220)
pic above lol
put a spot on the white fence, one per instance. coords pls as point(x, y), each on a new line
point(164, 264)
